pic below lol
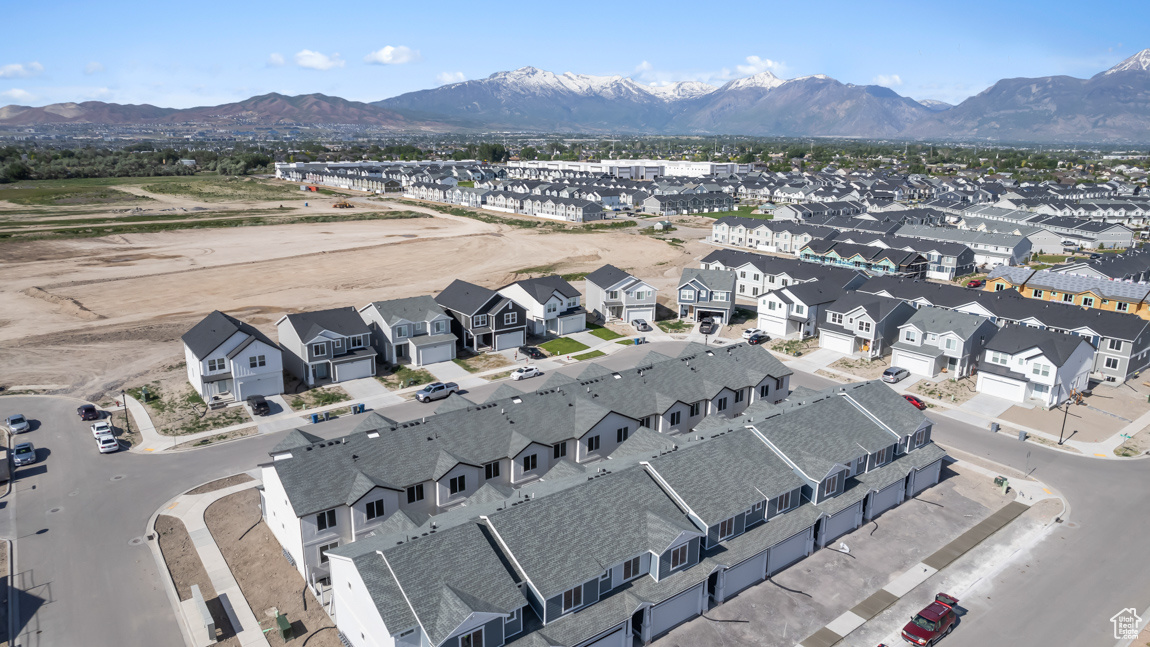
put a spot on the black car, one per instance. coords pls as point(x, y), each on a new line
point(707, 326)
point(88, 412)
point(757, 339)
point(1095, 256)
point(532, 352)
point(259, 405)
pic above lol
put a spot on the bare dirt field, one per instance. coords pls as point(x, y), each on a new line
point(93, 315)
point(186, 569)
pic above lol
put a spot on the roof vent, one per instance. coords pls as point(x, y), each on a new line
point(373, 434)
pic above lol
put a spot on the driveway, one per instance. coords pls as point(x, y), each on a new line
point(364, 388)
point(447, 371)
point(986, 405)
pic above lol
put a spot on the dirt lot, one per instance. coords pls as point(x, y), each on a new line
point(866, 369)
point(955, 392)
point(186, 569)
point(96, 314)
point(265, 577)
point(1090, 424)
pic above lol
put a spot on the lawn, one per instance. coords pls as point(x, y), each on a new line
point(1049, 258)
point(626, 342)
point(563, 346)
point(34, 193)
point(605, 334)
point(674, 325)
point(592, 355)
point(743, 211)
point(402, 377)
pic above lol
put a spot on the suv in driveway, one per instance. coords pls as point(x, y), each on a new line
point(259, 405)
point(641, 325)
point(707, 326)
point(895, 374)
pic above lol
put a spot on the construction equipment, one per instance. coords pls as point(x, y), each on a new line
point(343, 204)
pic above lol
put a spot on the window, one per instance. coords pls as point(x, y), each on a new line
point(1088, 302)
point(552, 308)
point(726, 528)
point(951, 343)
point(919, 437)
point(864, 326)
point(571, 303)
point(764, 390)
point(1037, 294)
point(338, 343)
point(800, 309)
point(215, 364)
point(910, 336)
point(757, 507)
point(686, 295)
point(415, 493)
point(676, 417)
point(1041, 388)
point(491, 470)
point(720, 296)
point(374, 509)
point(479, 321)
point(593, 443)
point(530, 462)
point(631, 568)
point(323, 551)
point(998, 287)
point(256, 361)
point(622, 433)
point(999, 358)
point(1068, 298)
point(771, 305)
point(783, 502)
point(458, 484)
point(833, 484)
point(694, 409)
point(472, 639)
point(679, 556)
point(836, 318)
point(1114, 344)
point(882, 456)
point(319, 350)
point(1112, 363)
point(325, 520)
point(721, 405)
point(572, 598)
point(739, 395)
point(1122, 306)
point(1040, 369)
point(560, 451)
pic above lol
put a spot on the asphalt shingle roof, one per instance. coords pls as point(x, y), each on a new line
point(342, 321)
point(215, 329)
point(415, 309)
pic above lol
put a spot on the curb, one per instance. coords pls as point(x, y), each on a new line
point(166, 574)
point(10, 546)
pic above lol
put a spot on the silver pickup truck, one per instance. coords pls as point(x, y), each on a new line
point(436, 391)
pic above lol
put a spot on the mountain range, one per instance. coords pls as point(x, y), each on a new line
point(1112, 107)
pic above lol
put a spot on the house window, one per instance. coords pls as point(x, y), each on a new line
point(530, 462)
point(1114, 344)
point(319, 350)
point(998, 287)
point(215, 365)
point(614, 294)
point(374, 509)
point(458, 484)
point(1112, 363)
point(783, 502)
point(338, 343)
point(552, 308)
point(491, 470)
point(999, 358)
point(1122, 306)
point(593, 444)
point(676, 417)
point(1037, 294)
point(415, 493)
point(739, 395)
point(721, 405)
point(951, 343)
point(771, 305)
point(631, 568)
point(686, 295)
point(694, 409)
point(882, 456)
point(764, 390)
point(472, 639)
point(679, 556)
point(572, 598)
point(919, 437)
point(1088, 302)
point(355, 342)
point(909, 336)
point(323, 551)
point(439, 327)
point(571, 303)
point(864, 326)
point(1040, 369)
point(726, 528)
point(720, 296)
point(479, 321)
point(800, 309)
point(510, 318)
point(622, 433)
point(325, 520)
point(256, 361)
point(560, 451)
point(1068, 298)
point(832, 484)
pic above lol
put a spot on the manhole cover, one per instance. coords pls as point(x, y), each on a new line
point(135, 541)
point(117, 477)
point(73, 493)
point(53, 510)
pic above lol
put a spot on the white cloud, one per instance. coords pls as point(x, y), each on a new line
point(445, 78)
point(95, 67)
point(275, 59)
point(645, 66)
point(16, 94)
point(317, 61)
point(887, 80)
point(20, 70)
point(756, 65)
point(393, 56)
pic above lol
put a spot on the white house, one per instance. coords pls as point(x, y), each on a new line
point(552, 304)
point(415, 330)
point(616, 295)
point(1024, 364)
point(229, 360)
point(793, 311)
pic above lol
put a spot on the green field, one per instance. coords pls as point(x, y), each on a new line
point(563, 346)
point(49, 196)
point(217, 189)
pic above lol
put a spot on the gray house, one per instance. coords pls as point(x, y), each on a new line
point(483, 319)
point(935, 340)
point(706, 293)
point(613, 294)
point(860, 323)
point(415, 330)
point(326, 346)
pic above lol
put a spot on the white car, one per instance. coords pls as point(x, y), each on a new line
point(107, 444)
point(751, 332)
point(525, 372)
point(101, 428)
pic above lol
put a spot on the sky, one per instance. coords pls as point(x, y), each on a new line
point(182, 55)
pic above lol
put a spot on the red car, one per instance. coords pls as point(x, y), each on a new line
point(974, 284)
point(88, 412)
point(915, 401)
point(932, 623)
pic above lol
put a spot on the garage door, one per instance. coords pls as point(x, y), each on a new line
point(837, 343)
point(509, 340)
point(646, 314)
point(785, 553)
point(743, 575)
point(266, 385)
point(433, 354)
point(617, 638)
point(840, 524)
point(885, 499)
point(925, 477)
point(678, 609)
point(569, 325)
point(353, 370)
point(998, 387)
point(916, 364)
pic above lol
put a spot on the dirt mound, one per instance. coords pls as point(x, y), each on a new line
point(67, 305)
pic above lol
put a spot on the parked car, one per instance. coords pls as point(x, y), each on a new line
point(102, 428)
point(1070, 243)
point(18, 424)
point(975, 283)
point(1095, 256)
point(751, 332)
point(89, 412)
point(524, 372)
point(915, 401)
point(436, 391)
point(929, 626)
point(532, 352)
point(24, 454)
point(895, 374)
point(707, 326)
point(641, 325)
point(259, 405)
point(107, 444)
point(757, 339)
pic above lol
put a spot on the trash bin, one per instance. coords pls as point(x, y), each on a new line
point(327, 415)
point(999, 480)
point(994, 427)
point(314, 418)
point(1022, 434)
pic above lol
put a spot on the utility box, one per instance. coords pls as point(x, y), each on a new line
point(999, 481)
point(284, 627)
point(1022, 435)
point(994, 427)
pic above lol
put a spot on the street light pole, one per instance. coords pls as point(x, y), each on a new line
point(1065, 412)
point(127, 420)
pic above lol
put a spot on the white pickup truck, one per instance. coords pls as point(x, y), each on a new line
point(436, 391)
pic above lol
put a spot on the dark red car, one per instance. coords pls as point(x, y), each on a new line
point(976, 283)
point(88, 412)
point(932, 623)
point(915, 401)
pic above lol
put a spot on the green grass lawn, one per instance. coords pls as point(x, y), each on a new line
point(674, 325)
point(592, 355)
point(563, 346)
point(605, 334)
point(1050, 258)
point(742, 210)
point(626, 342)
point(467, 183)
point(401, 377)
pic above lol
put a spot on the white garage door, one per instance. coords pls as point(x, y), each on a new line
point(925, 477)
point(617, 638)
point(788, 552)
point(509, 340)
point(569, 325)
point(1000, 387)
point(678, 609)
point(433, 354)
point(885, 499)
point(837, 343)
point(353, 370)
point(743, 575)
point(266, 385)
point(841, 523)
point(916, 364)
point(646, 314)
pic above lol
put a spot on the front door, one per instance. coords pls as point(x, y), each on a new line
point(224, 386)
point(319, 371)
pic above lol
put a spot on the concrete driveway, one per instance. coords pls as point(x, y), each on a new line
point(364, 389)
point(987, 405)
point(447, 371)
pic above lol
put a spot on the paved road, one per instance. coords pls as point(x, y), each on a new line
point(1065, 591)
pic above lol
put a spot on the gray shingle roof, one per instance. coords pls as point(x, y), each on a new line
point(1056, 347)
point(543, 287)
point(215, 329)
point(342, 321)
point(415, 309)
point(939, 321)
point(721, 280)
point(464, 297)
point(607, 276)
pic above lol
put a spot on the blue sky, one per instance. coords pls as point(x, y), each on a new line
point(205, 53)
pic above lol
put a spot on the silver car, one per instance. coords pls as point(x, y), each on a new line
point(24, 454)
point(18, 424)
point(895, 374)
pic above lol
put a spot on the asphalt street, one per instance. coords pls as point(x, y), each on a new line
point(87, 577)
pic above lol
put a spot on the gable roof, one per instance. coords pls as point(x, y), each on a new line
point(1055, 347)
point(939, 320)
point(215, 329)
point(464, 297)
point(414, 309)
point(721, 280)
point(342, 321)
point(607, 276)
point(541, 289)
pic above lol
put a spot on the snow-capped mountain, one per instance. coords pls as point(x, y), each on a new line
point(934, 105)
point(1140, 62)
point(680, 90)
point(762, 81)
